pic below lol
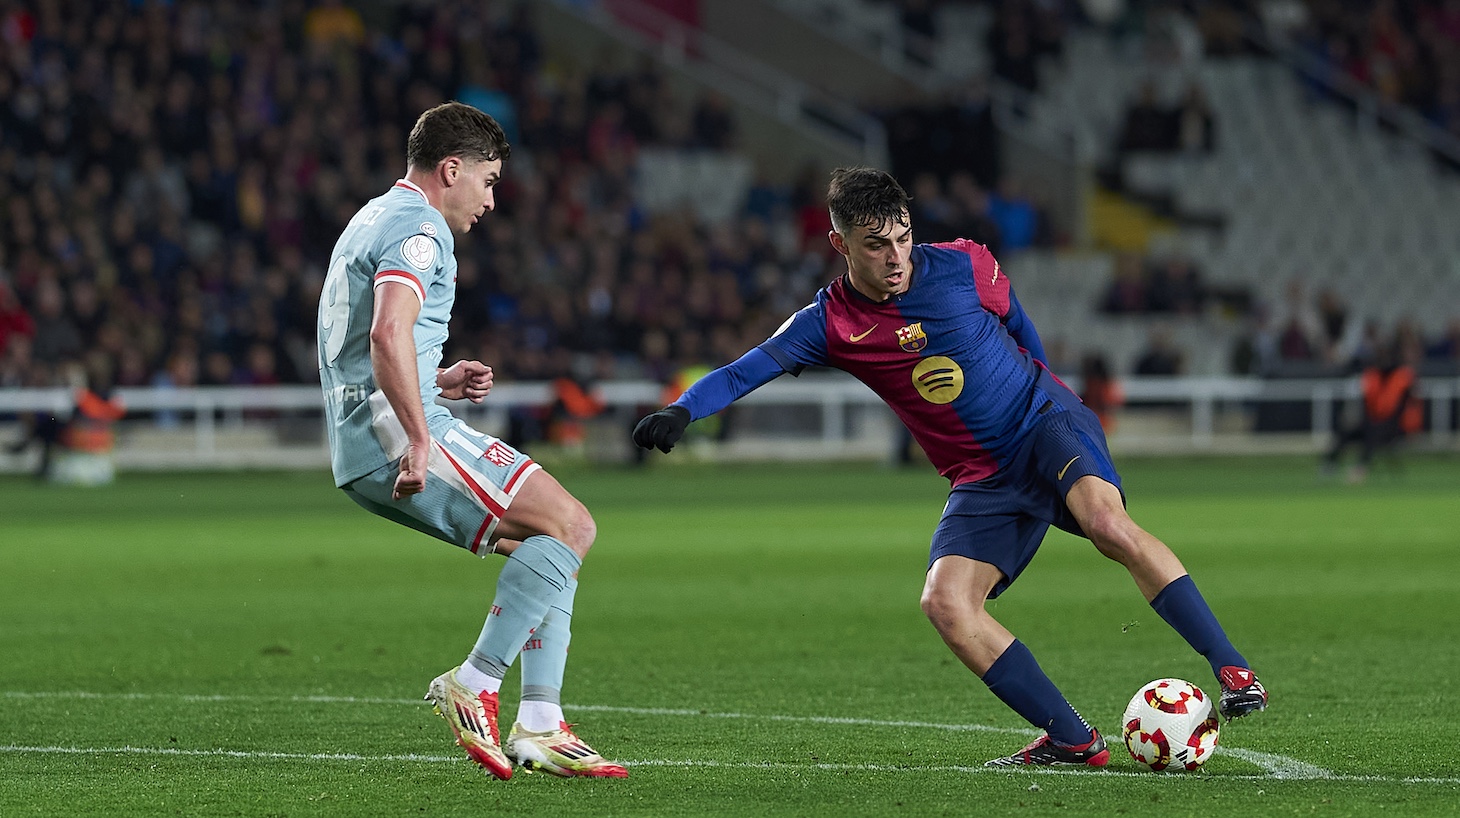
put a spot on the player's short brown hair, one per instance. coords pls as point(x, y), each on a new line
point(455, 129)
point(865, 197)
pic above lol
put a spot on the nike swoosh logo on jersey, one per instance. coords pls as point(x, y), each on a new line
point(1061, 475)
point(856, 338)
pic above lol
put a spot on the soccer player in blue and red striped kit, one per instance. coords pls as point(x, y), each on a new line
point(936, 332)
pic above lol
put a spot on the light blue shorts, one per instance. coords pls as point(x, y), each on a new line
point(471, 479)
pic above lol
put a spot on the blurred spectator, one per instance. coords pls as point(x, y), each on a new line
point(181, 372)
point(974, 220)
point(1220, 23)
point(1014, 214)
point(1342, 332)
point(1446, 347)
point(14, 320)
point(713, 123)
point(1390, 411)
point(330, 22)
point(1173, 285)
point(1405, 51)
point(1023, 32)
point(1147, 124)
point(955, 133)
point(56, 337)
point(919, 30)
point(1299, 331)
point(183, 177)
point(1099, 390)
point(1127, 290)
point(76, 446)
point(1193, 123)
point(1160, 356)
point(1172, 38)
point(1256, 350)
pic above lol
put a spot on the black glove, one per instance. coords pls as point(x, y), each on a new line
point(661, 429)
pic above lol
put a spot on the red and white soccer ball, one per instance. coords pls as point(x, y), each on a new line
point(1170, 725)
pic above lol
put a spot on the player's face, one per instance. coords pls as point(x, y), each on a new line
point(469, 195)
point(879, 261)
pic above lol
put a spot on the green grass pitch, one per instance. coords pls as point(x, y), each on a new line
point(748, 639)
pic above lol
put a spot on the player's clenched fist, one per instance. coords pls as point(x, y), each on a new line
point(662, 429)
point(412, 476)
point(465, 380)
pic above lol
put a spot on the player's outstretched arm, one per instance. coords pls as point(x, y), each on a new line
point(717, 390)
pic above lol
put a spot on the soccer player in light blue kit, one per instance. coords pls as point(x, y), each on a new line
point(383, 319)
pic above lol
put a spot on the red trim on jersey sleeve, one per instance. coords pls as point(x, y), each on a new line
point(402, 277)
point(521, 470)
point(988, 277)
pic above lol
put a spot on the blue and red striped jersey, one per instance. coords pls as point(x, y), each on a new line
point(946, 356)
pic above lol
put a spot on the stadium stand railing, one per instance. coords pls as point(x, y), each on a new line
point(823, 416)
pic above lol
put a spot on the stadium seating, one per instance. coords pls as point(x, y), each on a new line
point(1302, 191)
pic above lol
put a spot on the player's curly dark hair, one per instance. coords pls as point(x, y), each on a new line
point(865, 197)
point(455, 129)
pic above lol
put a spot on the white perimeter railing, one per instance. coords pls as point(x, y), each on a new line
point(818, 416)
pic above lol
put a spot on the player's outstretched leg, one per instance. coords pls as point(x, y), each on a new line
point(1171, 592)
point(541, 739)
point(953, 600)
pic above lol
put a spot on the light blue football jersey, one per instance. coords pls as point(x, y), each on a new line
point(396, 237)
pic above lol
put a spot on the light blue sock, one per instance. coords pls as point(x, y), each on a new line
point(545, 656)
point(534, 576)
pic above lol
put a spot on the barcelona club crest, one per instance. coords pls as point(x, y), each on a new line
point(912, 338)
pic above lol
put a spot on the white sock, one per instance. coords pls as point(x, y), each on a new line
point(539, 717)
point(475, 680)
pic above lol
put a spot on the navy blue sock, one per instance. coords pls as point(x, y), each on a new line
point(1017, 680)
point(1183, 608)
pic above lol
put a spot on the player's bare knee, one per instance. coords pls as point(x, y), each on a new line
point(944, 608)
point(1114, 535)
point(577, 528)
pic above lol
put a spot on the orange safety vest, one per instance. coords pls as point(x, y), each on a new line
point(1389, 395)
point(90, 430)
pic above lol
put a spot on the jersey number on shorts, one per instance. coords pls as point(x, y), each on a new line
point(455, 437)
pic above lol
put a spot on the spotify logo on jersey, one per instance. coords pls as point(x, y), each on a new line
point(938, 379)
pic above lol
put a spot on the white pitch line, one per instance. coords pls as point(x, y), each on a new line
point(179, 751)
point(1276, 766)
point(687, 763)
point(599, 708)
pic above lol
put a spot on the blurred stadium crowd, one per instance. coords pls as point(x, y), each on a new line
point(1408, 52)
point(173, 176)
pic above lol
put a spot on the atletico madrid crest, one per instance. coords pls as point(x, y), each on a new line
point(912, 338)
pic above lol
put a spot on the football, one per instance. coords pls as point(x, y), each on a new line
point(1170, 724)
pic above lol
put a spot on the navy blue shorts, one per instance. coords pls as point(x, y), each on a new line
point(1002, 519)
